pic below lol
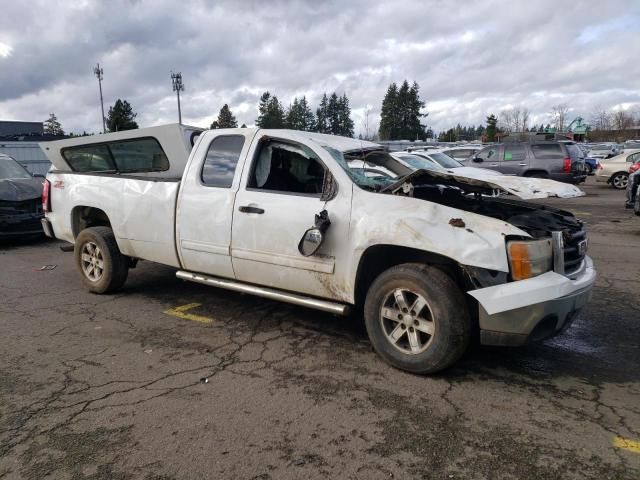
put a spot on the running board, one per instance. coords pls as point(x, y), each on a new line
point(272, 294)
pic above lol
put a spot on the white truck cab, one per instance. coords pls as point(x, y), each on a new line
point(330, 223)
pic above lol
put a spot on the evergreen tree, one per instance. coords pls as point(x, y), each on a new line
point(271, 112)
point(388, 115)
point(300, 116)
point(344, 117)
point(52, 125)
point(244, 125)
point(322, 114)
point(333, 114)
point(121, 117)
point(400, 115)
point(225, 119)
point(491, 130)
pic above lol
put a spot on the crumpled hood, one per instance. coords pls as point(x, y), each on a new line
point(20, 189)
point(522, 187)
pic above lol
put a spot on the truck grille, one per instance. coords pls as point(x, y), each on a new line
point(575, 249)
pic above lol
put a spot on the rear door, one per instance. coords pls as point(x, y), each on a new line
point(205, 202)
point(514, 159)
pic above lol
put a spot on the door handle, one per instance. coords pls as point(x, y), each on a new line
point(493, 165)
point(251, 209)
point(523, 164)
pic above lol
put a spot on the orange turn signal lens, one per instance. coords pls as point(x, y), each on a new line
point(529, 258)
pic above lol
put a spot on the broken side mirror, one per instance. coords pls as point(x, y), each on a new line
point(313, 238)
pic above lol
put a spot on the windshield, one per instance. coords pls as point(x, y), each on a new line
point(9, 168)
point(445, 160)
point(369, 169)
point(601, 147)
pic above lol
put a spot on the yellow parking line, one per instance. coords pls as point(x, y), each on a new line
point(180, 312)
point(630, 445)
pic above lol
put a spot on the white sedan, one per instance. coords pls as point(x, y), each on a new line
point(615, 170)
point(452, 165)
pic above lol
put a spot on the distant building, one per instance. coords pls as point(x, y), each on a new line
point(11, 128)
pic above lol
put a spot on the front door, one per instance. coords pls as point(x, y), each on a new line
point(490, 157)
point(277, 202)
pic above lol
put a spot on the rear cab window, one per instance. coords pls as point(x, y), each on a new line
point(123, 156)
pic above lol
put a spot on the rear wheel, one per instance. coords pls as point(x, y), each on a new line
point(103, 268)
point(417, 318)
point(589, 169)
point(620, 180)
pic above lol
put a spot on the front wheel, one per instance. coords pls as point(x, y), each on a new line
point(103, 268)
point(620, 180)
point(417, 318)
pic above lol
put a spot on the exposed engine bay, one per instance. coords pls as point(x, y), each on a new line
point(537, 220)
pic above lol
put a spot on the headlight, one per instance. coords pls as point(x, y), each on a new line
point(529, 258)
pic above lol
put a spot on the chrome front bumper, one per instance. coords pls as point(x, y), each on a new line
point(534, 309)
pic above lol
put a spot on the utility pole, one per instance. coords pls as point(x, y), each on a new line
point(98, 73)
point(176, 81)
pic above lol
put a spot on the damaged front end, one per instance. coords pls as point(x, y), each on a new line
point(550, 277)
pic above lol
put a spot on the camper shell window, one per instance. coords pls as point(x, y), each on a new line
point(121, 156)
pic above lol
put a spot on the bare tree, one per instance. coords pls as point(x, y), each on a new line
point(514, 120)
point(559, 114)
point(524, 122)
point(622, 119)
point(600, 119)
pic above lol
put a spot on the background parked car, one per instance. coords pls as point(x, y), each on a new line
point(452, 165)
point(20, 200)
point(604, 150)
point(615, 171)
point(462, 153)
point(539, 159)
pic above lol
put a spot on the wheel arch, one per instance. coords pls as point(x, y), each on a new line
point(380, 257)
point(83, 216)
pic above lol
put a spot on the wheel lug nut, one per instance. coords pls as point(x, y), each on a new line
point(411, 329)
point(416, 323)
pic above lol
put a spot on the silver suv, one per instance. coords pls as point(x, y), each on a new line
point(541, 159)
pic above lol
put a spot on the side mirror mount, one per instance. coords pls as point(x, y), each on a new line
point(329, 187)
point(313, 238)
point(477, 160)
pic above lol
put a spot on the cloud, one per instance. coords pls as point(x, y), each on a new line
point(470, 59)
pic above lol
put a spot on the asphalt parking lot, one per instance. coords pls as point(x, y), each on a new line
point(169, 379)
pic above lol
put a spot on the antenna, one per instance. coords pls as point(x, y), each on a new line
point(98, 72)
point(178, 86)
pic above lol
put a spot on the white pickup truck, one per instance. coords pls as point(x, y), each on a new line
point(330, 223)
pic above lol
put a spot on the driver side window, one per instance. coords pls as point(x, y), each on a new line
point(489, 154)
point(287, 167)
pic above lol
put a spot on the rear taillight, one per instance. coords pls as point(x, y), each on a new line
point(46, 201)
point(566, 166)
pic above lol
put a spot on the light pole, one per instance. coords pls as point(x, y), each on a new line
point(176, 81)
point(98, 73)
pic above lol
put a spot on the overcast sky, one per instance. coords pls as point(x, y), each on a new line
point(470, 58)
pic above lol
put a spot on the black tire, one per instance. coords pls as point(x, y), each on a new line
point(589, 169)
point(445, 302)
point(619, 180)
point(115, 266)
point(636, 204)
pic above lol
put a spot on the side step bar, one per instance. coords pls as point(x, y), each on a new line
point(272, 294)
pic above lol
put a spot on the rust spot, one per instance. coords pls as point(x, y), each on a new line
point(457, 222)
